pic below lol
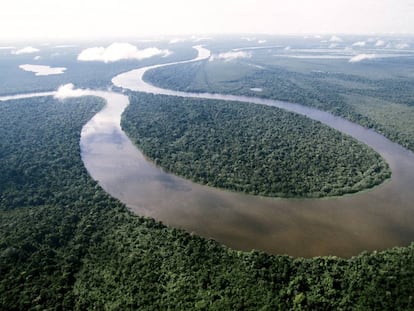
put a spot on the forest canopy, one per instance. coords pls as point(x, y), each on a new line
point(250, 148)
point(66, 244)
point(378, 97)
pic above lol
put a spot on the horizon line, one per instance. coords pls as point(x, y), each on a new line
point(160, 37)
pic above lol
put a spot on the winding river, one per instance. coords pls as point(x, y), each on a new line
point(342, 226)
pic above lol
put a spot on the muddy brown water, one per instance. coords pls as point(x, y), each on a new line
point(376, 219)
point(344, 226)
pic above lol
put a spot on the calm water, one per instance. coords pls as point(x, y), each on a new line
point(343, 226)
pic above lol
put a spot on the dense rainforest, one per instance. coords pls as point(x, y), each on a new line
point(362, 98)
point(65, 244)
point(250, 148)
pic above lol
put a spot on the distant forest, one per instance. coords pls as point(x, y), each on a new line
point(384, 104)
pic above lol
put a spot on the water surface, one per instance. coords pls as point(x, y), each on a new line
point(343, 226)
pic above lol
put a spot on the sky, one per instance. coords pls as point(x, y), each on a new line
point(70, 19)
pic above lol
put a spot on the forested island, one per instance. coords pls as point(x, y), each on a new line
point(250, 148)
point(65, 244)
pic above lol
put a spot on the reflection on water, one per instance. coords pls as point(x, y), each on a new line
point(343, 226)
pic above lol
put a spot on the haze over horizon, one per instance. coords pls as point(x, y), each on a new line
point(76, 19)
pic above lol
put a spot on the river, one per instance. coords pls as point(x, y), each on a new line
point(344, 226)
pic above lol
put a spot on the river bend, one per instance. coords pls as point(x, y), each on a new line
point(342, 226)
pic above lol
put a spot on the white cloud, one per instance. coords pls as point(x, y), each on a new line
point(362, 57)
point(256, 89)
point(199, 39)
point(402, 46)
point(228, 56)
point(335, 39)
point(380, 43)
point(359, 43)
point(37, 57)
point(287, 48)
point(67, 90)
point(26, 50)
point(261, 41)
point(177, 40)
point(119, 51)
point(40, 70)
point(333, 45)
